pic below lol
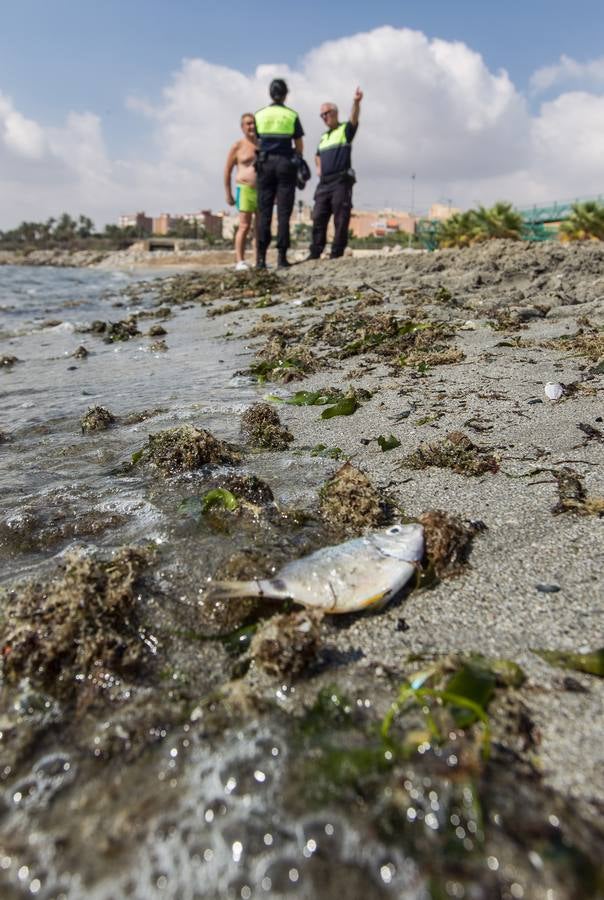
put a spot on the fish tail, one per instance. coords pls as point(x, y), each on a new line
point(231, 590)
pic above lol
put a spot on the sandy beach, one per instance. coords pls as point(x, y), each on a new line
point(446, 356)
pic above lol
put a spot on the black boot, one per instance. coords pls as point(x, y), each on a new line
point(282, 262)
point(261, 261)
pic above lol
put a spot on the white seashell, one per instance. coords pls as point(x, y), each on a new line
point(553, 391)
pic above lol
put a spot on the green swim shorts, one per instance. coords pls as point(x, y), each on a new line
point(246, 198)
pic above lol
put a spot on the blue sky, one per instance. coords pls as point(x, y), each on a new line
point(75, 56)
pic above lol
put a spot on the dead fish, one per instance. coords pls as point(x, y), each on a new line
point(359, 573)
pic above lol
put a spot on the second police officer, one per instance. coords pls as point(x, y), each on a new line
point(279, 140)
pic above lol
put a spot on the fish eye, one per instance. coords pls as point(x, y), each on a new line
point(396, 529)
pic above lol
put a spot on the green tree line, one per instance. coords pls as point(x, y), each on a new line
point(65, 231)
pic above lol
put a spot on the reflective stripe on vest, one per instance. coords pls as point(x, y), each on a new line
point(276, 121)
point(334, 138)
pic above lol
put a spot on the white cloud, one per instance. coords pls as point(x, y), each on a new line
point(431, 107)
point(569, 72)
point(19, 135)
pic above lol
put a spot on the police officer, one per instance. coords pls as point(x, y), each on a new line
point(336, 178)
point(279, 138)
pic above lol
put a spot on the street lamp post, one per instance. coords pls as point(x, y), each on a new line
point(412, 210)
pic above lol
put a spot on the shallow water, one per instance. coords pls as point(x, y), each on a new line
point(155, 789)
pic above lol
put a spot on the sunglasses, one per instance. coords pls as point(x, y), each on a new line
point(329, 112)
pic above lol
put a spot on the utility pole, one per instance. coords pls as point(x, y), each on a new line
point(412, 210)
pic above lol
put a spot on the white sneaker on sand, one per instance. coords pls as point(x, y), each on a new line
point(241, 266)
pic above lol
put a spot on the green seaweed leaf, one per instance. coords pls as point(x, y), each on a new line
point(312, 398)
point(592, 663)
point(219, 497)
point(137, 456)
point(345, 407)
point(329, 452)
point(388, 443)
point(474, 683)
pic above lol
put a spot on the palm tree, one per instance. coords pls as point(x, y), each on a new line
point(500, 221)
point(585, 223)
point(482, 224)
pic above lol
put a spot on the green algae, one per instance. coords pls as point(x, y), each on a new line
point(388, 443)
point(327, 452)
point(219, 497)
point(347, 406)
point(592, 663)
point(309, 398)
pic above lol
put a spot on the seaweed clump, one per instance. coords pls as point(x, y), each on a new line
point(98, 418)
point(278, 360)
point(351, 504)
point(261, 425)
point(583, 343)
point(457, 452)
point(288, 643)
point(6, 362)
point(186, 448)
point(447, 542)
point(250, 488)
point(122, 331)
point(79, 626)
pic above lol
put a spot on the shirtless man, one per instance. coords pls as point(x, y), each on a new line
point(243, 155)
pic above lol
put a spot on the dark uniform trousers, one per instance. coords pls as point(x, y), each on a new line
point(276, 181)
point(335, 199)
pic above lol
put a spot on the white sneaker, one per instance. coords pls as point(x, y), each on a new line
point(241, 266)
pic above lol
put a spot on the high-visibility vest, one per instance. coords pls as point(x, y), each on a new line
point(334, 138)
point(276, 121)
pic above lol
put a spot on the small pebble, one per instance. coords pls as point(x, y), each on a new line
point(571, 684)
point(534, 400)
point(547, 588)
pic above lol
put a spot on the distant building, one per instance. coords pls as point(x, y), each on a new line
point(210, 222)
point(164, 223)
point(140, 221)
point(379, 224)
point(441, 211)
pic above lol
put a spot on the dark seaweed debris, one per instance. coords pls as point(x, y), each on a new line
point(457, 452)
point(447, 541)
point(6, 362)
point(287, 644)
point(261, 425)
point(96, 419)
point(184, 449)
point(573, 496)
point(78, 626)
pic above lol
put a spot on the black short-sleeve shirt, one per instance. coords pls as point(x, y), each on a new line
point(339, 157)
